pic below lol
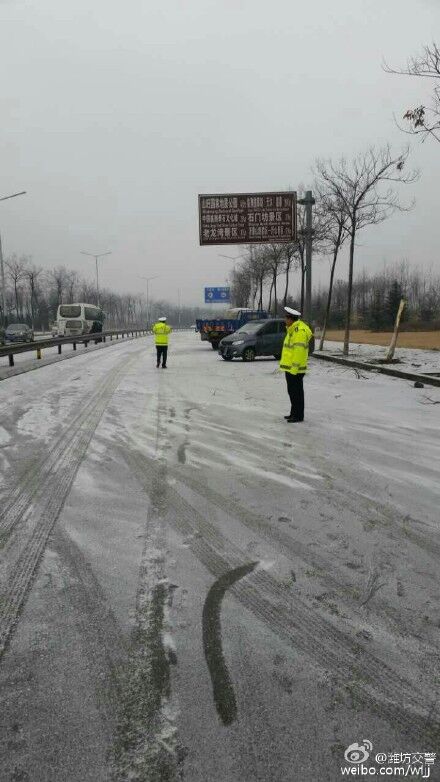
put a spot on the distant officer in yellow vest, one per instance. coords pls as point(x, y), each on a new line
point(161, 332)
point(294, 362)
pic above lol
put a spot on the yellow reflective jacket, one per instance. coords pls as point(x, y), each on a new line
point(161, 331)
point(296, 348)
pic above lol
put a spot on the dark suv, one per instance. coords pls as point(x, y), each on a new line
point(256, 338)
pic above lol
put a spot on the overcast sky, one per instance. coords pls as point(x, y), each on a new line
point(116, 115)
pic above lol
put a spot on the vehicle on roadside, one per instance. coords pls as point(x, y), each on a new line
point(214, 329)
point(78, 319)
point(255, 338)
point(19, 332)
point(2, 335)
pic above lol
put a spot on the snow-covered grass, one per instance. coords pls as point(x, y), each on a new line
point(410, 358)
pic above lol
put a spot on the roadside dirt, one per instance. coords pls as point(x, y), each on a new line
point(425, 340)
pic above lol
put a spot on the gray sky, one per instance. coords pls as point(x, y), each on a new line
point(115, 115)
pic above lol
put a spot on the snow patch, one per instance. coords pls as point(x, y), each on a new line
point(37, 422)
point(5, 437)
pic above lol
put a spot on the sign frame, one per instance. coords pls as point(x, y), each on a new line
point(241, 214)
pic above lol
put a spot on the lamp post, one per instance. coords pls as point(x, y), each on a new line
point(96, 256)
point(2, 267)
point(148, 280)
point(235, 258)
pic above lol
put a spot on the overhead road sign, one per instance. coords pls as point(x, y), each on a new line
point(216, 295)
point(247, 218)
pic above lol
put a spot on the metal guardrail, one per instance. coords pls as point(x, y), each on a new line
point(84, 339)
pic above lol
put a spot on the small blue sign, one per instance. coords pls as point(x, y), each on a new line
point(217, 295)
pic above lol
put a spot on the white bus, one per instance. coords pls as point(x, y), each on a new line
point(77, 319)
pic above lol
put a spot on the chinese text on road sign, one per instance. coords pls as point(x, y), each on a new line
point(213, 295)
point(244, 218)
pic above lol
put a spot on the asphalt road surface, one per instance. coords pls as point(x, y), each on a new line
point(192, 589)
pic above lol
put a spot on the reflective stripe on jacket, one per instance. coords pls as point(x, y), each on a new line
point(161, 331)
point(296, 348)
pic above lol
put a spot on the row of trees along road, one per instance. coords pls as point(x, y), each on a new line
point(33, 295)
point(351, 195)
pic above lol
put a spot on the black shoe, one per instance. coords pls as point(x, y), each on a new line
point(164, 367)
point(292, 420)
point(287, 417)
point(157, 366)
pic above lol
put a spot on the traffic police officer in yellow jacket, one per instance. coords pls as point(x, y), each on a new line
point(161, 331)
point(294, 362)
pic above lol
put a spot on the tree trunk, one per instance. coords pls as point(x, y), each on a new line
point(275, 300)
point(303, 272)
point(349, 290)
point(260, 303)
point(329, 300)
point(16, 297)
point(286, 289)
point(391, 349)
point(32, 306)
point(270, 297)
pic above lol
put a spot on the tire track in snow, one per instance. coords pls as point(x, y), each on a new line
point(355, 667)
point(146, 746)
point(222, 687)
point(23, 493)
point(47, 499)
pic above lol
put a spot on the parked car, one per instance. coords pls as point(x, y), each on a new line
point(19, 332)
point(256, 338)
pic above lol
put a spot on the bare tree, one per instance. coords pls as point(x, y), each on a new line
point(291, 261)
point(59, 279)
point(364, 189)
point(424, 120)
point(274, 254)
point(71, 285)
point(334, 225)
point(241, 278)
point(16, 271)
point(32, 274)
point(261, 272)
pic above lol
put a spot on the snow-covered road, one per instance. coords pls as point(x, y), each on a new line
point(192, 588)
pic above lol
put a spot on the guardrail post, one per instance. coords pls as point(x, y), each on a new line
point(74, 345)
point(11, 360)
point(103, 339)
point(86, 342)
point(111, 337)
point(117, 336)
point(38, 353)
point(59, 350)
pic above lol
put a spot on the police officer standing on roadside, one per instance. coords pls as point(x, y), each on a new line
point(161, 332)
point(294, 362)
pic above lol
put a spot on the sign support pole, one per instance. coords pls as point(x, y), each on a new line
point(308, 201)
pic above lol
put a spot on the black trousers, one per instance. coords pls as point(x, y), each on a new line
point(295, 389)
point(162, 352)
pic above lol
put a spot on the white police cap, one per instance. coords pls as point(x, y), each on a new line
point(162, 319)
point(290, 311)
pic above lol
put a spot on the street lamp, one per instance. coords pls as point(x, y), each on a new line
point(231, 259)
point(96, 256)
point(2, 267)
point(148, 280)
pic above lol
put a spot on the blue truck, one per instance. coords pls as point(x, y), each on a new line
point(214, 329)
